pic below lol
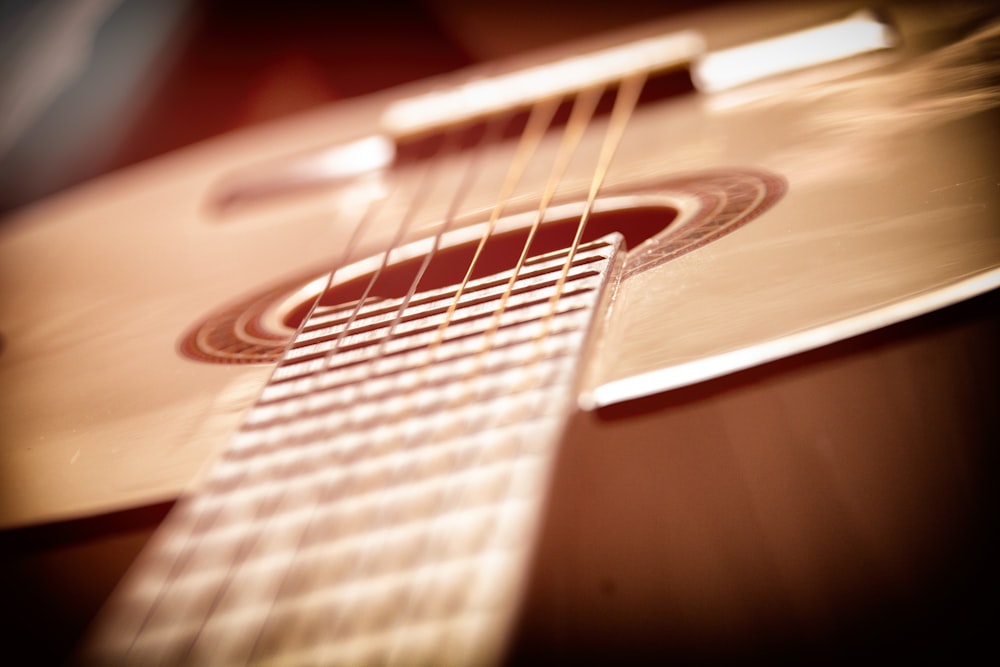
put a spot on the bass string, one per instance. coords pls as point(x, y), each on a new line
point(268, 509)
point(538, 124)
point(326, 493)
point(415, 205)
point(461, 191)
point(191, 521)
point(411, 212)
point(539, 121)
point(583, 110)
point(450, 146)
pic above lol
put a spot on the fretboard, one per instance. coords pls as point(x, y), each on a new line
point(380, 501)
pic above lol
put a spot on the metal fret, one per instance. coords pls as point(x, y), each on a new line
point(379, 521)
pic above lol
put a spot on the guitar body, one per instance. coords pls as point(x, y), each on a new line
point(784, 439)
point(832, 505)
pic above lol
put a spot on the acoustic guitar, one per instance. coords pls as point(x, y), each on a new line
point(676, 343)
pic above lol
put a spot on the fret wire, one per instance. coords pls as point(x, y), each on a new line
point(465, 185)
point(625, 102)
point(247, 543)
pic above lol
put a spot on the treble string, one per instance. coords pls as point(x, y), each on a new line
point(583, 110)
point(579, 120)
point(539, 119)
point(625, 103)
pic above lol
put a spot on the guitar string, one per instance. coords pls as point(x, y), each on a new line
point(625, 103)
point(537, 126)
point(200, 525)
point(584, 107)
point(583, 110)
point(268, 511)
point(409, 296)
point(203, 521)
point(539, 120)
point(327, 492)
point(580, 116)
point(203, 524)
point(454, 207)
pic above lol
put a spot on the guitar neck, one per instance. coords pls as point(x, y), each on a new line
point(381, 498)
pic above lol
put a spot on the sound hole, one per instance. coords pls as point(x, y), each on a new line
point(256, 329)
point(500, 253)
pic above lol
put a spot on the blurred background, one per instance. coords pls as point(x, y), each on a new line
point(90, 86)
